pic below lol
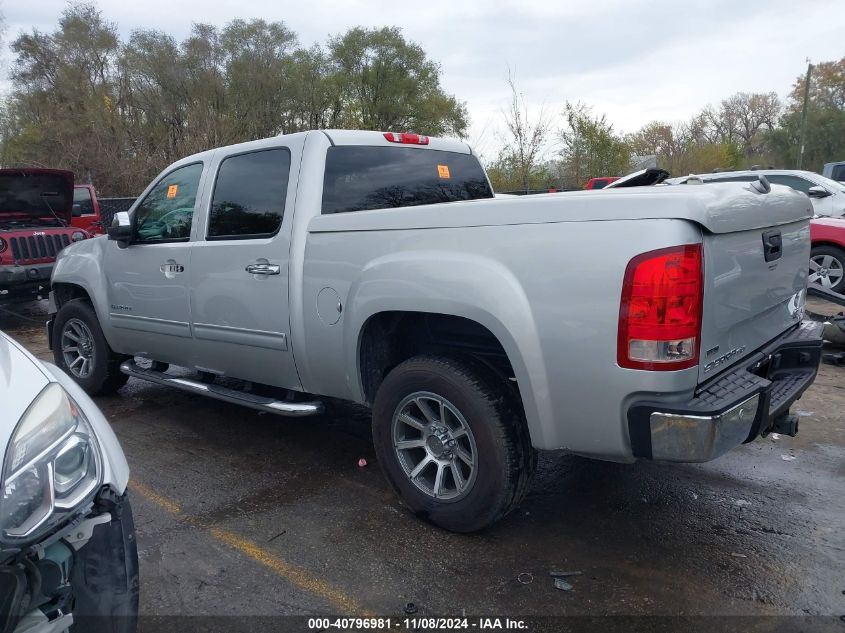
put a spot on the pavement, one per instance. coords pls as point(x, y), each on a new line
point(241, 513)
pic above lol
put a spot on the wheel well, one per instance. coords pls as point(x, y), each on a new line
point(841, 247)
point(62, 293)
point(389, 338)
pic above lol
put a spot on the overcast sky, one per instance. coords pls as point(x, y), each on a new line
point(629, 59)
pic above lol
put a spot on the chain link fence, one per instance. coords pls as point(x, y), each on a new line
point(110, 206)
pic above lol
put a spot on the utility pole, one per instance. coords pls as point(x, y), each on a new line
point(804, 114)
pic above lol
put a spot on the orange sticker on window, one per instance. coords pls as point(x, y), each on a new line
point(172, 190)
point(443, 171)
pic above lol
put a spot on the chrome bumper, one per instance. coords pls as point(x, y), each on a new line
point(697, 438)
point(743, 402)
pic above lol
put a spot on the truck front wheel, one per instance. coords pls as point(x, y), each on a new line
point(82, 352)
point(452, 441)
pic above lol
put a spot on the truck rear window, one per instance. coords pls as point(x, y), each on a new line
point(360, 178)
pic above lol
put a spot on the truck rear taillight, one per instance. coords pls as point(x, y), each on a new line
point(660, 313)
point(406, 137)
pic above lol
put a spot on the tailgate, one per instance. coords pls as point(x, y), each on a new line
point(748, 300)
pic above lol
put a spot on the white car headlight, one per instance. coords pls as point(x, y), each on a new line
point(53, 464)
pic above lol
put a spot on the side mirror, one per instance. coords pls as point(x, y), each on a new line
point(76, 209)
point(818, 192)
point(121, 229)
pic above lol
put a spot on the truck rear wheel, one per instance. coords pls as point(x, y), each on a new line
point(452, 441)
point(81, 350)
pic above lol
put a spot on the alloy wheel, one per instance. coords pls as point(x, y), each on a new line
point(826, 270)
point(435, 446)
point(77, 348)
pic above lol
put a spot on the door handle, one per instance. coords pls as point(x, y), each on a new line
point(772, 245)
point(264, 269)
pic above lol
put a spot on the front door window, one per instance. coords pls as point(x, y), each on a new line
point(166, 214)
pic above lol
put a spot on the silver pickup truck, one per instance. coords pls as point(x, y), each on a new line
point(643, 323)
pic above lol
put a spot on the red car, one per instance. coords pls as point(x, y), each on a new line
point(600, 183)
point(86, 210)
point(827, 257)
point(35, 224)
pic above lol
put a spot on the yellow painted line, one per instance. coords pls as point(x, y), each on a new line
point(151, 495)
point(297, 576)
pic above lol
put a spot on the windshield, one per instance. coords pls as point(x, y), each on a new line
point(830, 184)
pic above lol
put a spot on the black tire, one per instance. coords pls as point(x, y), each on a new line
point(105, 578)
point(838, 263)
point(505, 458)
point(104, 376)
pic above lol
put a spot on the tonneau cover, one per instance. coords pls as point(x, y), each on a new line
point(720, 208)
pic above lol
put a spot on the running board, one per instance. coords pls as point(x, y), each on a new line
point(279, 407)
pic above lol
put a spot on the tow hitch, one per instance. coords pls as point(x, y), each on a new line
point(786, 424)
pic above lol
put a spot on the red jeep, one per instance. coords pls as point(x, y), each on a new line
point(86, 210)
point(35, 224)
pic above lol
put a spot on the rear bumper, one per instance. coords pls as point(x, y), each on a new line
point(24, 283)
point(734, 407)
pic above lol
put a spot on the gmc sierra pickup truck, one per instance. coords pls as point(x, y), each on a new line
point(379, 268)
point(35, 224)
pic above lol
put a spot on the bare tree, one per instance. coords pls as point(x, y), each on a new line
point(526, 135)
point(740, 120)
point(751, 114)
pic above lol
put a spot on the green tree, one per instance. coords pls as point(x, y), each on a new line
point(825, 131)
point(64, 108)
point(388, 83)
point(506, 173)
point(590, 146)
point(116, 112)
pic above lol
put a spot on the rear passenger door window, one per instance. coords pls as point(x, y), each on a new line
point(799, 184)
point(249, 195)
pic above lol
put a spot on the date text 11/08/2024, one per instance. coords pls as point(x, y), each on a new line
point(416, 624)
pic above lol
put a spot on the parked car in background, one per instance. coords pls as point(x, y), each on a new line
point(827, 196)
point(379, 268)
point(94, 214)
point(600, 183)
point(827, 235)
point(835, 171)
point(827, 257)
point(35, 224)
point(67, 538)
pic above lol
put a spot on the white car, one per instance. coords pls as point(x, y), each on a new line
point(67, 538)
point(827, 196)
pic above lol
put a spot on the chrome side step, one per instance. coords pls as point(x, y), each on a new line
point(262, 403)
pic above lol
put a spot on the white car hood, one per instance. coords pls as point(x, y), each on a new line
point(21, 379)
